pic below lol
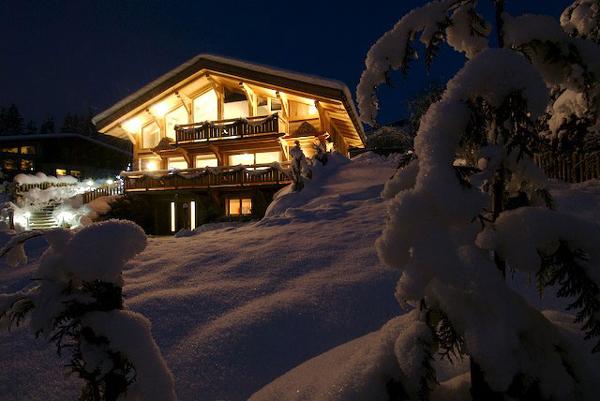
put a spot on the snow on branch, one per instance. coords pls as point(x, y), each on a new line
point(453, 20)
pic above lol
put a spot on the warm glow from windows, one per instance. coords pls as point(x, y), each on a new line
point(133, 126)
point(159, 109)
point(173, 217)
point(312, 109)
point(206, 161)
point(178, 116)
point(247, 159)
point(150, 135)
point(192, 215)
point(205, 107)
point(149, 164)
point(239, 206)
point(178, 163)
point(61, 171)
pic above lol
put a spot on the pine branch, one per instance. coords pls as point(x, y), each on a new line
point(564, 268)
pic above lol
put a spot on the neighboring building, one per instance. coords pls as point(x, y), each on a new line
point(190, 127)
point(63, 154)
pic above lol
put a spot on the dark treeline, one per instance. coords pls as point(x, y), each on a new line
point(13, 123)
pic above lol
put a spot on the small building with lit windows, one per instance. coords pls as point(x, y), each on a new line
point(81, 156)
point(211, 138)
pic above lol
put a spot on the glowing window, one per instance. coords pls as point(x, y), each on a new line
point(76, 173)
point(192, 215)
point(176, 117)
point(25, 164)
point(28, 150)
point(177, 162)
point(10, 150)
point(206, 161)
point(239, 206)
point(275, 104)
point(173, 223)
point(235, 104)
point(205, 107)
point(150, 135)
point(149, 164)
point(247, 159)
point(268, 157)
point(9, 164)
point(262, 108)
point(61, 171)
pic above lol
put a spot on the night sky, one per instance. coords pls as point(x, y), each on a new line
point(71, 56)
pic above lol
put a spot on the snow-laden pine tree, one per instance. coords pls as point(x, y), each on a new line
point(454, 232)
point(77, 304)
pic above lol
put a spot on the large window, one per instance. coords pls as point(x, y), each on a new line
point(176, 117)
point(239, 206)
point(28, 150)
point(178, 163)
point(26, 164)
point(150, 135)
point(206, 161)
point(235, 104)
point(149, 164)
point(248, 159)
point(205, 107)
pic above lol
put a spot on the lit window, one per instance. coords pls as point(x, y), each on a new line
point(262, 108)
point(76, 173)
point(149, 164)
point(206, 161)
point(275, 104)
point(173, 225)
point(150, 135)
point(9, 164)
point(247, 159)
point(10, 150)
point(178, 163)
point(28, 150)
point(25, 164)
point(205, 107)
point(178, 116)
point(192, 215)
point(239, 207)
point(268, 157)
point(235, 104)
point(61, 171)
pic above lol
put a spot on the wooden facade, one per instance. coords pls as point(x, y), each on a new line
point(213, 127)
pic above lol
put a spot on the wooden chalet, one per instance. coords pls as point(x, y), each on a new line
point(211, 136)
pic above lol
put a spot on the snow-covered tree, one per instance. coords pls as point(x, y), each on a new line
point(77, 304)
point(300, 167)
point(454, 235)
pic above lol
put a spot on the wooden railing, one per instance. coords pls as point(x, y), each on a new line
point(257, 175)
point(224, 129)
point(106, 190)
point(576, 167)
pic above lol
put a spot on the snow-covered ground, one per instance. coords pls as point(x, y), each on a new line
point(234, 307)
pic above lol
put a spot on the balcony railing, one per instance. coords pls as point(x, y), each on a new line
point(204, 178)
point(228, 129)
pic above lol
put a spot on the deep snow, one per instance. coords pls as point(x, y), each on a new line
point(234, 307)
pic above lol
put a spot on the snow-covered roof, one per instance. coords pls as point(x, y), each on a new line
point(27, 137)
point(279, 77)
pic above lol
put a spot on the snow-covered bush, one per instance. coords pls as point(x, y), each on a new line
point(77, 304)
point(390, 137)
point(454, 233)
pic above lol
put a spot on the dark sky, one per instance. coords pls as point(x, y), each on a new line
point(61, 56)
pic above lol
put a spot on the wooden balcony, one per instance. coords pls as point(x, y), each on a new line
point(205, 178)
point(229, 129)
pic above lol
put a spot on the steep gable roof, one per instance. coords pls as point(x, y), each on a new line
point(317, 86)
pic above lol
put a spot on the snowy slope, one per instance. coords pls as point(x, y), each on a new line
point(233, 308)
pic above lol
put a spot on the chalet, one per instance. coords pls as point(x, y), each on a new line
point(210, 136)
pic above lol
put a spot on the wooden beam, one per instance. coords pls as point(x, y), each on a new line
point(284, 104)
point(187, 103)
point(252, 99)
point(218, 87)
point(323, 117)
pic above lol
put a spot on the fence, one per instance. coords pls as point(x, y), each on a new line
point(576, 167)
point(107, 190)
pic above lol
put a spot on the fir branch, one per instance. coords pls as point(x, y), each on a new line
point(564, 268)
